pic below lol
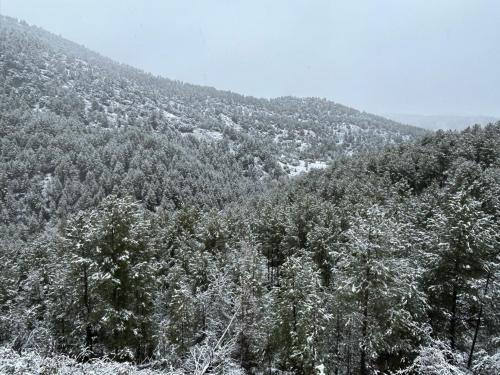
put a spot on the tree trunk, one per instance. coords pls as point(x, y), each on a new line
point(348, 354)
point(364, 331)
point(337, 344)
point(478, 325)
point(364, 328)
point(453, 320)
point(86, 298)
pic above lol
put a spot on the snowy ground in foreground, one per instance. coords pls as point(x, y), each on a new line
point(30, 363)
point(33, 363)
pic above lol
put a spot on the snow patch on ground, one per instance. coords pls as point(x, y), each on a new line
point(207, 135)
point(46, 182)
point(302, 146)
point(169, 115)
point(32, 363)
point(229, 122)
point(295, 169)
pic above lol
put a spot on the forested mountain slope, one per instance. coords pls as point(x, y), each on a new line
point(76, 127)
point(45, 73)
point(152, 222)
point(388, 261)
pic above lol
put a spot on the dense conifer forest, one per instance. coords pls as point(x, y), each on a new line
point(153, 227)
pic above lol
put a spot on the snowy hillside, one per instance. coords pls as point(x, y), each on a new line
point(49, 74)
point(149, 226)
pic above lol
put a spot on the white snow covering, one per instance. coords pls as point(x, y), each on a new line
point(47, 180)
point(207, 135)
point(32, 363)
point(302, 146)
point(229, 122)
point(321, 369)
point(302, 167)
point(169, 115)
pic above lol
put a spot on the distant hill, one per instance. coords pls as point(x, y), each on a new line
point(47, 73)
point(445, 122)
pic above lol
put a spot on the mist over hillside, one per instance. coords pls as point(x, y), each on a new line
point(444, 122)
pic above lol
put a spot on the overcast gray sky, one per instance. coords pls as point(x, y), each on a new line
point(403, 56)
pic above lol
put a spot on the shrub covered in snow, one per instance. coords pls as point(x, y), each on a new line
point(32, 363)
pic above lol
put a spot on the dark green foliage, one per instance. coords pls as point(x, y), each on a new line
point(150, 220)
point(359, 268)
